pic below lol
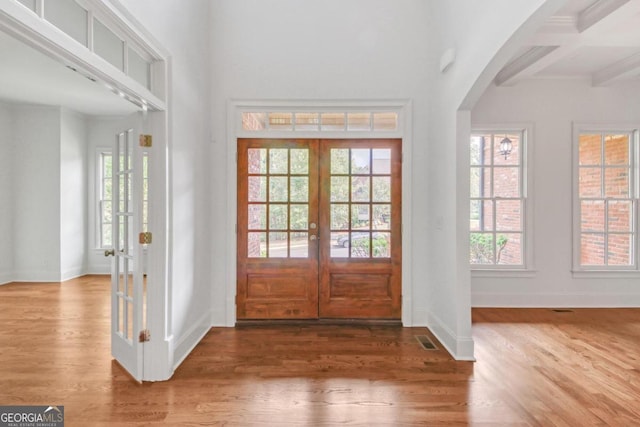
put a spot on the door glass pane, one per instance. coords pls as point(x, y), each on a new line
point(381, 161)
point(257, 217)
point(360, 244)
point(360, 217)
point(278, 189)
point(339, 161)
point(278, 245)
point(339, 189)
point(257, 188)
point(299, 245)
point(382, 217)
point(68, 16)
point(129, 320)
point(339, 217)
point(360, 161)
point(299, 189)
point(299, 217)
point(278, 161)
point(257, 158)
point(278, 217)
point(381, 245)
point(108, 45)
point(339, 245)
point(360, 189)
point(299, 162)
point(381, 188)
point(257, 245)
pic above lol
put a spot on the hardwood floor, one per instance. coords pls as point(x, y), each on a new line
point(535, 367)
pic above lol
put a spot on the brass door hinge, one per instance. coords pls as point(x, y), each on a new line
point(145, 238)
point(144, 336)
point(146, 140)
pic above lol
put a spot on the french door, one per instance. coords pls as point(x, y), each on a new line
point(319, 232)
point(126, 268)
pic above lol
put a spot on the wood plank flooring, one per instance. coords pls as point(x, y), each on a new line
point(535, 367)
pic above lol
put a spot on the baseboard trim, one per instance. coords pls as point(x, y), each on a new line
point(73, 274)
point(577, 300)
point(185, 345)
point(460, 348)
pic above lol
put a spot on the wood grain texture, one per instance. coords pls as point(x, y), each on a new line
point(535, 367)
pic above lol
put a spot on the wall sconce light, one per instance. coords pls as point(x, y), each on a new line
point(505, 147)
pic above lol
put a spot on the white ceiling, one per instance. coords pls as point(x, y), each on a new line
point(28, 76)
point(597, 40)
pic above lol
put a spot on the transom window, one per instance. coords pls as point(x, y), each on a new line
point(371, 121)
point(607, 200)
point(498, 197)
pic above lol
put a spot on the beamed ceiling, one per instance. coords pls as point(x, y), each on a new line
point(597, 40)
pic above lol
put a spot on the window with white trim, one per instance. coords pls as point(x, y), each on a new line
point(105, 203)
point(606, 200)
point(498, 199)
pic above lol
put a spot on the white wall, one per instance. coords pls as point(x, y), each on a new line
point(73, 194)
point(6, 195)
point(552, 106)
point(331, 50)
point(484, 35)
point(183, 29)
point(37, 194)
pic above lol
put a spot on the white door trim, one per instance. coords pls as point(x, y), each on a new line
point(18, 21)
point(234, 131)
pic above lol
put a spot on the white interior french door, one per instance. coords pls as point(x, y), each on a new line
point(127, 270)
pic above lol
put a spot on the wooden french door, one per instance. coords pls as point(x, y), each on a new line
point(319, 231)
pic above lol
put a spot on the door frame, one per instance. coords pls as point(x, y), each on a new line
point(26, 26)
point(235, 108)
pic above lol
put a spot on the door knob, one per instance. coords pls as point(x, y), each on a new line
point(110, 252)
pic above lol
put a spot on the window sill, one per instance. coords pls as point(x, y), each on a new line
point(518, 273)
point(606, 274)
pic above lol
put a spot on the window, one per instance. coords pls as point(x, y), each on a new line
point(340, 121)
point(105, 203)
point(606, 202)
point(498, 199)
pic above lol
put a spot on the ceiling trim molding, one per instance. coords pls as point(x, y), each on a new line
point(628, 67)
point(522, 63)
point(597, 12)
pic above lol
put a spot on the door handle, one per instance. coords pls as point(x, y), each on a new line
point(110, 252)
point(313, 237)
